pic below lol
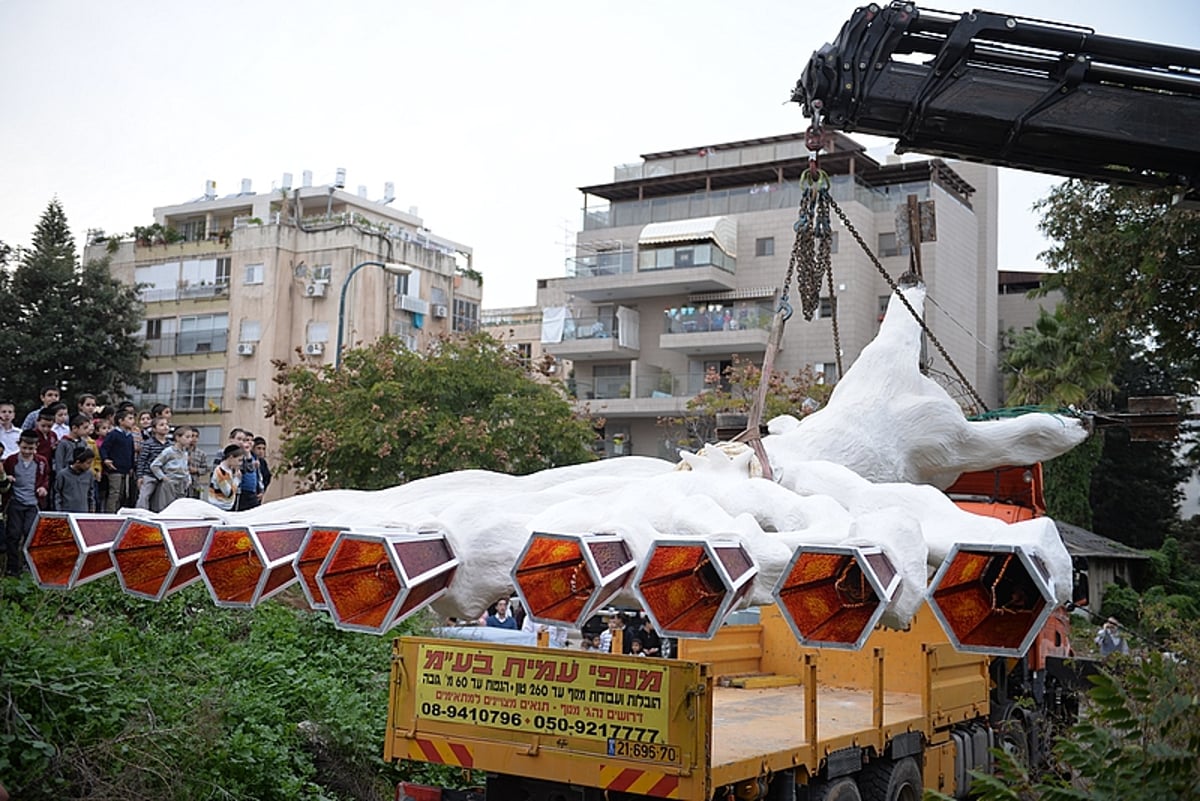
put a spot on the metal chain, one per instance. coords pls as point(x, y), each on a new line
point(896, 290)
point(811, 249)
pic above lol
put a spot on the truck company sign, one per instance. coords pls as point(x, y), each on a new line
point(552, 692)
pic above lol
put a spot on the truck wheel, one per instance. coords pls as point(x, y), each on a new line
point(892, 781)
point(838, 790)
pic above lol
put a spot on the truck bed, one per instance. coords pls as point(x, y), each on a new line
point(751, 723)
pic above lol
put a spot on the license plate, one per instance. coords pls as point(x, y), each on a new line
point(649, 752)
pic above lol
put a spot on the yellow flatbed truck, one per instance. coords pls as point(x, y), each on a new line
point(749, 714)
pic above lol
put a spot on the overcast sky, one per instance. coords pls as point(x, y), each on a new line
point(487, 116)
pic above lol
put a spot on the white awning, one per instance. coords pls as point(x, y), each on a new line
point(722, 230)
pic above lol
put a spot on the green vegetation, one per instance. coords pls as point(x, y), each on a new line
point(1138, 737)
point(66, 325)
point(103, 696)
point(391, 415)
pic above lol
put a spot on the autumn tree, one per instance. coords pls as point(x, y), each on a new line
point(67, 325)
point(391, 415)
point(734, 391)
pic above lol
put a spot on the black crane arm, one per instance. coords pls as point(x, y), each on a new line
point(1014, 92)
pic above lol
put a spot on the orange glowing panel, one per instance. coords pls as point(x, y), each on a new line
point(689, 586)
point(155, 558)
point(244, 565)
point(309, 559)
point(564, 578)
point(991, 599)
point(67, 549)
point(373, 580)
point(832, 596)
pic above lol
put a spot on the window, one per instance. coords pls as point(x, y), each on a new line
point(322, 273)
point(247, 388)
point(466, 315)
point(251, 331)
point(224, 269)
point(826, 372)
point(826, 308)
point(317, 332)
point(203, 333)
point(210, 440)
point(192, 230)
point(199, 390)
point(883, 304)
point(524, 352)
point(402, 283)
point(253, 274)
point(154, 328)
point(889, 246)
point(764, 246)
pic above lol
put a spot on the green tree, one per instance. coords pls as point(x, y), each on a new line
point(391, 415)
point(67, 325)
point(1126, 259)
point(1055, 363)
point(1135, 492)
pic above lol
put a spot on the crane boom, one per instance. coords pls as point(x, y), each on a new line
point(1013, 92)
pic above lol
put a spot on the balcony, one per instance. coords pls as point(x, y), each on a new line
point(686, 268)
point(716, 328)
point(585, 338)
point(199, 342)
point(648, 393)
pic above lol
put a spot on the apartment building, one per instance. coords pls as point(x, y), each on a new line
point(682, 256)
point(255, 278)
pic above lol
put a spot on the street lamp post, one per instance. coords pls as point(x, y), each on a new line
point(390, 268)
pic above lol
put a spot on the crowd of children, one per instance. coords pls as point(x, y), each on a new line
point(102, 459)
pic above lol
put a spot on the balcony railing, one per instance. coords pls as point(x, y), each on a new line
point(590, 328)
point(738, 316)
point(762, 197)
point(618, 262)
point(659, 384)
point(194, 342)
point(187, 292)
point(180, 401)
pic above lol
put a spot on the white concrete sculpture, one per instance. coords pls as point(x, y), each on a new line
point(864, 471)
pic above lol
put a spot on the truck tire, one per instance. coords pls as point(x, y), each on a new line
point(892, 781)
point(837, 790)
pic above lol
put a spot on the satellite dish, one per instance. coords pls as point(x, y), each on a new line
point(300, 270)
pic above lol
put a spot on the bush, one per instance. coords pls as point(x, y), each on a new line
point(106, 696)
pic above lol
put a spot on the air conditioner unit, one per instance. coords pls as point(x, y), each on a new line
point(315, 290)
point(440, 310)
point(314, 349)
point(245, 349)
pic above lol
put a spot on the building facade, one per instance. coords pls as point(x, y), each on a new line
point(258, 278)
point(683, 256)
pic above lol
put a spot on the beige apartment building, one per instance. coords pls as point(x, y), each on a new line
point(683, 255)
point(258, 278)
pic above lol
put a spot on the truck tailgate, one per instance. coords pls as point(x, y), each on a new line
point(621, 723)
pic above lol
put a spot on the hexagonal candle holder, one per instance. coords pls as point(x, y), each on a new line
point(245, 565)
point(313, 550)
point(565, 578)
point(689, 586)
point(991, 598)
point(155, 558)
point(67, 549)
point(372, 580)
point(833, 595)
